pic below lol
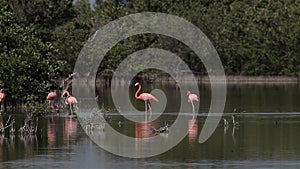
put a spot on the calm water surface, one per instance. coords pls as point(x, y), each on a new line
point(267, 137)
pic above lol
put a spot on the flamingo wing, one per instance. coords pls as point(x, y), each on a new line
point(147, 96)
point(71, 100)
point(192, 97)
point(51, 96)
point(1, 97)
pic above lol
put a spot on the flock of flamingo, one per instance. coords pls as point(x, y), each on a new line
point(71, 101)
point(146, 97)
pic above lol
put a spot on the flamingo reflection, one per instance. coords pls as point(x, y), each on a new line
point(51, 131)
point(70, 129)
point(192, 129)
point(145, 129)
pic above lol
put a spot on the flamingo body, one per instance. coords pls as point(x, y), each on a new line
point(51, 96)
point(146, 97)
point(192, 97)
point(2, 95)
point(70, 100)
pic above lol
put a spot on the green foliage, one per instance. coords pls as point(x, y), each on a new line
point(40, 40)
point(36, 108)
point(26, 62)
point(251, 37)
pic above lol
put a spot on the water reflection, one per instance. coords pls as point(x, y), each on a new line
point(261, 141)
point(51, 131)
point(2, 139)
point(70, 129)
point(192, 130)
point(145, 129)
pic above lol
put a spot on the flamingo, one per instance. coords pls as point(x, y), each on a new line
point(191, 99)
point(51, 97)
point(70, 100)
point(2, 95)
point(146, 97)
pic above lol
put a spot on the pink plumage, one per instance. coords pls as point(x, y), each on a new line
point(69, 99)
point(147, 96)
point(2, 95)
point(51, 96)
point(144, 96)
point(192, 97)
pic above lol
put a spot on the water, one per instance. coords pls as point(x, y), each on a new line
point(267, 136)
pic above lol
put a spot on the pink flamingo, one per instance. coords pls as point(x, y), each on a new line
point(2, 95)
point(53, 102)
point(145, 96)
point(191, 99)
point(51, 97)
point(70, 100)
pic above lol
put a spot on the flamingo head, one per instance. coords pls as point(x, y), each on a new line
point(1, 90)
point(65, 92)
point(188, 93)
point(137, 83)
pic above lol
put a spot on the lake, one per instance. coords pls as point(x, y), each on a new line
point(267, 135)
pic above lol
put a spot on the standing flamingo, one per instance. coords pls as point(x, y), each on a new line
point(2, 95)
point(145, 96)
point(51, 97)
point(70, 100)
point(191, 99)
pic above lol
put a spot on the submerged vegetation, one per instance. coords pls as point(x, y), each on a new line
point(40, 40)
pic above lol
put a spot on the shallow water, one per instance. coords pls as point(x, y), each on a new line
point(267, 137)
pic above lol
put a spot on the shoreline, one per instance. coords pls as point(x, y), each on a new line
point(202, 79)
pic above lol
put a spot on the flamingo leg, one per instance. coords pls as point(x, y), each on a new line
point(150, 109)
point(76, 108)
point(71, 109)
point(146, 110)
point(149, 105)
point(193, 108)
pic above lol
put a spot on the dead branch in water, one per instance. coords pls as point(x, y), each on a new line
point(9, 124)
point(30, 125)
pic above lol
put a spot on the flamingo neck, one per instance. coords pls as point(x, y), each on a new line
point(67, 93)
point(66, 100)
point(1, 90)
point(136, 93)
